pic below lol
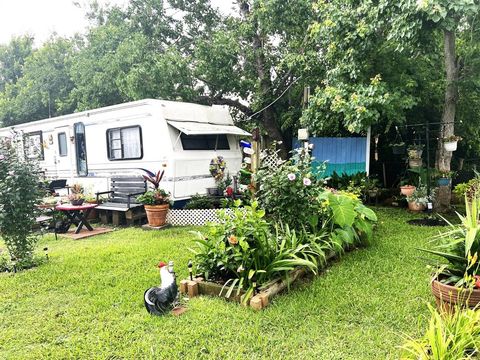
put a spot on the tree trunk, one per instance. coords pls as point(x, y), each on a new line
point(443, 158)
point(268, 115)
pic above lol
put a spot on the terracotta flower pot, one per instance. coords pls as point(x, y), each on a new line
point(413, 206)
point(449, 297)
point(407, 190)
point(156, 214)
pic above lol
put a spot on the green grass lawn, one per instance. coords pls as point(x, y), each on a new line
point(87, 302)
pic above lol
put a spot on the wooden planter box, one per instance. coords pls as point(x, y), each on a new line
point(198, 286)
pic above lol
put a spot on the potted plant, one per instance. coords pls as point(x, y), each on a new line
point(217, 170)
point(76, 195)
point(416, 150)
point(398, 148)
point(444, 178)
point(419, 199)
point(450, 142)
point(414, 160)
point(156, 201)
point(456, 280)
point(407, 189)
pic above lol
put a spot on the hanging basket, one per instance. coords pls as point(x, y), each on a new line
point(450, 145)
point(398, 149)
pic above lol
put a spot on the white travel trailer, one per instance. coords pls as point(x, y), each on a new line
point(92, 146)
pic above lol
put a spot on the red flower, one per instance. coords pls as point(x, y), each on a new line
point(229, 191)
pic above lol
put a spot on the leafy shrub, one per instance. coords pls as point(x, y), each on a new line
point(355, 183)
point(448, 337)
point(288, 194)
point(460, 248)
point(242, 249)
point(20, 192)
point(201, 202)
point(469, 188)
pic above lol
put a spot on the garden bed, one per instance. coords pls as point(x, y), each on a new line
point(264, 296)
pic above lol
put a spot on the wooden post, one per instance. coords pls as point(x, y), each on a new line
point(183, 286)
point(192, 289)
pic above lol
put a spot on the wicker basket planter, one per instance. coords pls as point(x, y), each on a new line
point(449, 297)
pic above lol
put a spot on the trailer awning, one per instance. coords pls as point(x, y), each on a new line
point(197, 128)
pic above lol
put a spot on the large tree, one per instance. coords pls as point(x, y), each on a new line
point(42, 87)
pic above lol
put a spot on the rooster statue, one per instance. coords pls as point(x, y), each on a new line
point(159, 300)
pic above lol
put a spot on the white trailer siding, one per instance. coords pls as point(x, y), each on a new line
point(187, 171)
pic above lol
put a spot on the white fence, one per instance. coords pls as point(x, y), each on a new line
point(196, 217)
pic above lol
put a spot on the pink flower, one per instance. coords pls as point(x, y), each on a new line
point(291, 176)
point(307, 182)
point(2, 157)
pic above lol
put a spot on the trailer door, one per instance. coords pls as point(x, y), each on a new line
point(63, 152)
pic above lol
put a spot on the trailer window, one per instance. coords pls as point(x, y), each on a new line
point(33, 145)
point(62, 144)
point(204, 142)
point(125, 143)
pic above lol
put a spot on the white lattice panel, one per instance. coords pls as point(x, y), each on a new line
point(196, 217)
point(270, 161)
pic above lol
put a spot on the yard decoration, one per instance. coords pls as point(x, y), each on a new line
point(156, 201)
point(159, 300)
point(450, 143)
point(217, 170)
point(455, 281)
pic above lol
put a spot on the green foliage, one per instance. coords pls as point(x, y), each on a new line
point(201, 202)
point(354, 183)
point(459, 248)
point(354, 288)
point(420, 195)
point(448, 337)
point(469, 189)
point(242, 251)
point(154, 197)
point(20, 192)
point(44, 87)
point(288, 194)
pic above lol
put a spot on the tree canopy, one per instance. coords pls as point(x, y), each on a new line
point(372, 63)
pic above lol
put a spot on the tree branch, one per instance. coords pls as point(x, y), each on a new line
point(219, 100)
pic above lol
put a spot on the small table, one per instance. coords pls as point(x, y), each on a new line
point(77, 215)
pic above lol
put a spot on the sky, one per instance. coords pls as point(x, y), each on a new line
point(41, 18)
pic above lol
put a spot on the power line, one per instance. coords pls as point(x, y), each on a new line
point(278, 98)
